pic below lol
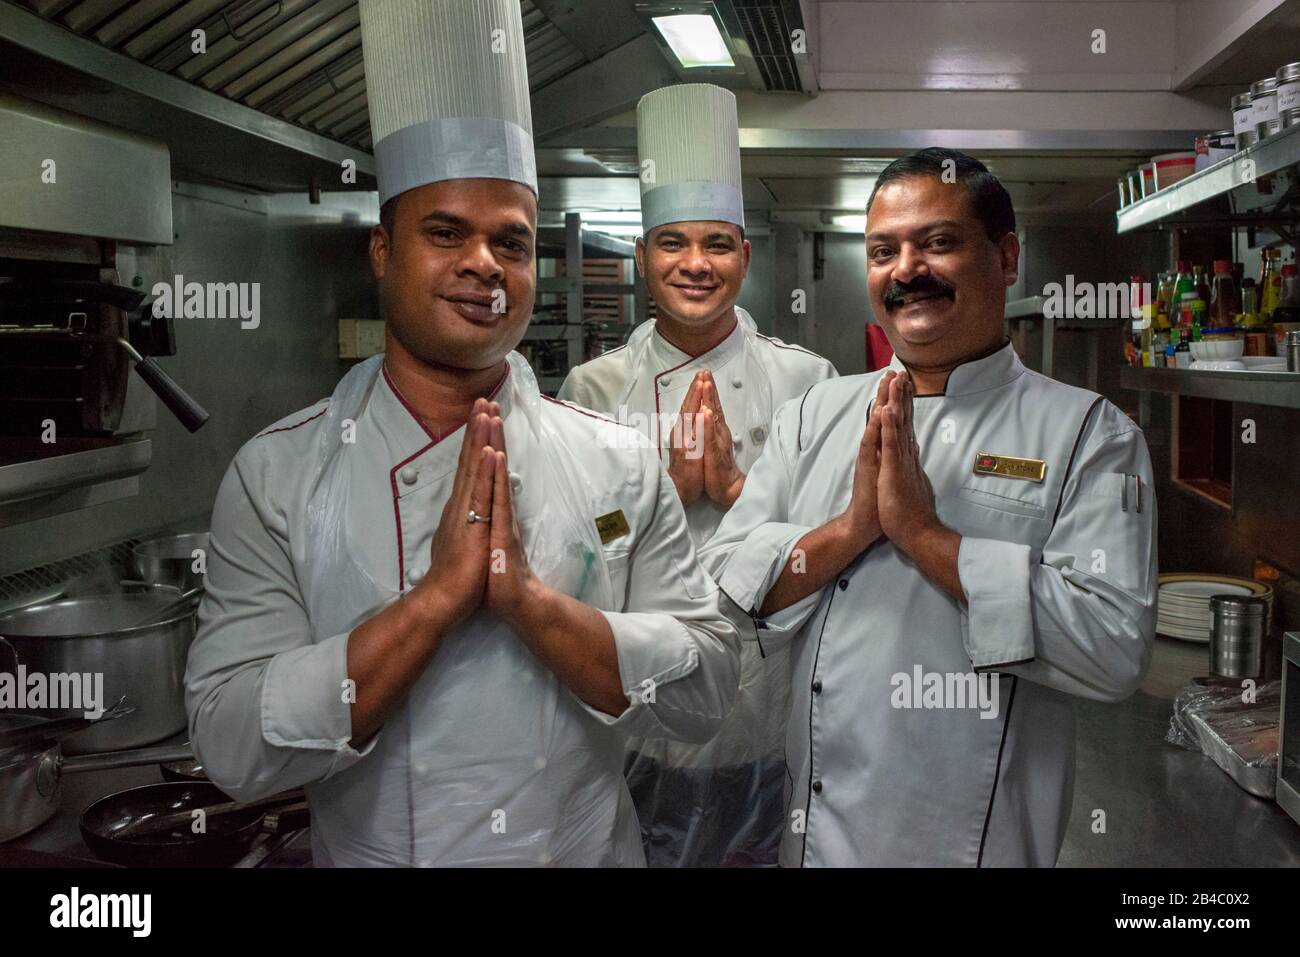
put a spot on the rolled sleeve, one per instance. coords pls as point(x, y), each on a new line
point(755, 564)
point(1081, 619)
point(303, 702)
point(997, 628)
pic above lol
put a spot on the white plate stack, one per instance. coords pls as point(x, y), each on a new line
point(1183, 603)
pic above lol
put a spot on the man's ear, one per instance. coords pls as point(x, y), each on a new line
point(744, 247)
point(640, 257)
point(1009, 249)
point(380, 247)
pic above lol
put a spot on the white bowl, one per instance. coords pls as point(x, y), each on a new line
point(1217, 349)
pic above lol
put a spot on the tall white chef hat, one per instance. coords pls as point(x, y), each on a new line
point(447, 85)
point(688, 141)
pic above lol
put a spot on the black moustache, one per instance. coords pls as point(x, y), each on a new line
point(896, 291)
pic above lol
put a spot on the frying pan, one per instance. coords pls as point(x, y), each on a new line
point(228, 837)
point(182, 772)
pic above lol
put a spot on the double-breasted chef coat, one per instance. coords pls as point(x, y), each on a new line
point(489, 759)
point(1060, 581)
point(727, 810)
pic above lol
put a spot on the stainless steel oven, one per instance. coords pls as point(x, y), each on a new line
point(76, 347)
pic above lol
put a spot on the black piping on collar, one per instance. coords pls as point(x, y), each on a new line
point(983, 355)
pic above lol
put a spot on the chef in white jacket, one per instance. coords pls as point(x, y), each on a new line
point(701, 383)
point(438, 600)
point(954, 547)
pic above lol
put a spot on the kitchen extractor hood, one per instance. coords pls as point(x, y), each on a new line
point(63, 173)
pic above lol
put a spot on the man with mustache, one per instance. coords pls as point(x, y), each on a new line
point(437, 600)
point(952, 573)
point(703, 384)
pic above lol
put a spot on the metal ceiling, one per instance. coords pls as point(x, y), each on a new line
point(297, 60)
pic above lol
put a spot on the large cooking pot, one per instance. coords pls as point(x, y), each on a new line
point(169, 560)
point(31, 773)
point(93, 635)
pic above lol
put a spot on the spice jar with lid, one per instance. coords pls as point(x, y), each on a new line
point(1288, 87)
point(1263, 101)
point(1242, 123)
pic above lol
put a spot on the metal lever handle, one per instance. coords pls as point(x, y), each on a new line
point(190, 413)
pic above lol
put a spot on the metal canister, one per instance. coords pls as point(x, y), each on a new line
point(1293, 351)
point(1290, 117)
point(1237, 635)
point(1288, 87)
point(1263, 100)
point(1241, 118)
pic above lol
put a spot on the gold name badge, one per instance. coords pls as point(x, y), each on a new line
point(1009, 466)
point(612, 526)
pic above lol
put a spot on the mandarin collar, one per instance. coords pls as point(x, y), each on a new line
point(989, 371)
point(668, 356)
point(403, 428)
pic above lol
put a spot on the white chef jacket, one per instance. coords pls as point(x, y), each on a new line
point(644, 384)
point(489, 759)
point(1060, 579)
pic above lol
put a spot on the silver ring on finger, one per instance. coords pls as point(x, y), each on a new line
point(476, 517)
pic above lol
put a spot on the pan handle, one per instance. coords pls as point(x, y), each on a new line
point(160, 754)
point(191, 414)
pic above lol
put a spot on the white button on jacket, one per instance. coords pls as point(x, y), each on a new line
point(489, 759)
point(895, 757)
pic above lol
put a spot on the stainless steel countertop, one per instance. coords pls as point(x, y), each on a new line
point(1165, 806)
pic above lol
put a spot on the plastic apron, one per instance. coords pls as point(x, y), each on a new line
point(448, 820)
point(720, 803)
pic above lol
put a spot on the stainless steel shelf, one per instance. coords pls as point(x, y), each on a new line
point(1258, 388)
point(36, 480)
point(1278, 152)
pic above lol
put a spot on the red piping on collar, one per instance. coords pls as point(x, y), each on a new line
point(578, 409)
point(290, 428)
point(418, 421)
point(658, 444)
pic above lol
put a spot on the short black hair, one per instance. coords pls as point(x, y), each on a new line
point(988, 197)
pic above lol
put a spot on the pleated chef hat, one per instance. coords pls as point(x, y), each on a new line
point(447, 85)
point(691, 135)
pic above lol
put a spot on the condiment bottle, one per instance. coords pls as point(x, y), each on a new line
point(1288, 306)
point(1184, 282)
point(1165, 300)
point(1226, 301)
point(1250, 301)
point(1202, 284)
point(1270, 283)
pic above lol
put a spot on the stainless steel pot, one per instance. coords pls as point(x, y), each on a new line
point(31, 778)
point(169, 560)
point(90, 636)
